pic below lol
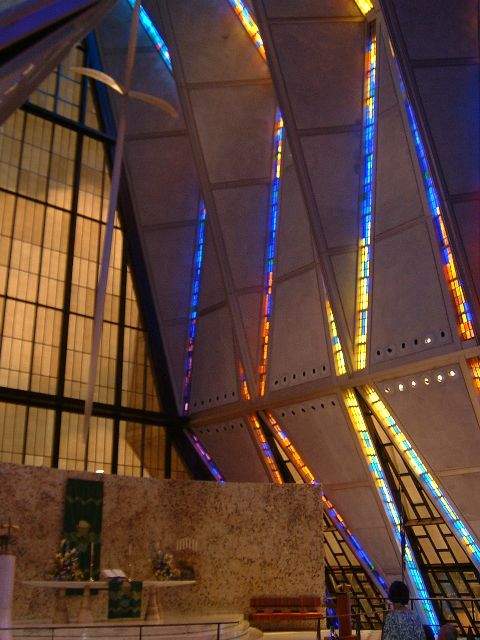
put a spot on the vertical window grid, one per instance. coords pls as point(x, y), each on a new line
point(10, 150)
point(338, 357)
point(74, 455)
point(154, 36)
point(329, 510)
point(264, 449)
point(204, 456)
point(38, 162)
point(373, 461)
point(197, 270)
point(365, 6)
point(243, 382)
point(342, 567)
point(251, 27)
point(271, 244)
point(69, 85)
point(249, 24)
point(12, 432)
point(366, 207)
point(287, 445)
point(419, 469)
point(443, 560)
point(461, 305)
point(154, 452)
point(474, 364)
point(39, 437)
point(130, 449)
point(179, 470)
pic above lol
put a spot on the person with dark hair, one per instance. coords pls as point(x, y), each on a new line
point(448, 632)
point(401, 623)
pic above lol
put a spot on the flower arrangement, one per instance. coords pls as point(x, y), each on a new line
point(66, 563)
point(163, 564)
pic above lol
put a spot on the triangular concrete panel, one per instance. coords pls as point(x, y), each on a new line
point(294, 243)
point(397, 194)
point(243, 213)
point(231, 446)
point(212, 288)
point(299, 340)
point(215, 369)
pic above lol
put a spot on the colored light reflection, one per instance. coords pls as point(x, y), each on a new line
point(455, 287)
point(419, 469)
point(376, 470)
point(200, 449)
point(155, 37)
point(307, 476)
point(187, 383)
point(248, 22)
point(292, 453)
point(474, 364)
point(265, 449)
point(243, 382)
point(270, 257)
point(365, 6)
point(338, 357)
point(364, 246)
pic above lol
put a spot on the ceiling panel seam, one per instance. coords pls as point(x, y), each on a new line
point(213, 221)
point(304, 179)
point(313, 389)
point(408, 94)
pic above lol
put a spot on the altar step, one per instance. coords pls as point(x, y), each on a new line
point(203, 629)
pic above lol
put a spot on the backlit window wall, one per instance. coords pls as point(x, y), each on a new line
point(54, 190)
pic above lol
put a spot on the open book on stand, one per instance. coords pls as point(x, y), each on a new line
point(112, 574)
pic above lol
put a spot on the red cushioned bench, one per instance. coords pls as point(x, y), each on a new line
point(273, 608)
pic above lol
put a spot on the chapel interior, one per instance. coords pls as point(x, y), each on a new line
point(239, 248)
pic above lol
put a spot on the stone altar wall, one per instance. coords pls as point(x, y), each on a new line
point(252, 539)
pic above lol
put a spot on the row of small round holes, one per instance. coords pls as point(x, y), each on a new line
point(294, 375)
point(210, 400)
point(425, 379)
point(323, 405)
point(233, 393)
point(217, 429)
point(426, 341)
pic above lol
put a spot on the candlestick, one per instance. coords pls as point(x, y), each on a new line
point(92, 550)
point(129, 562)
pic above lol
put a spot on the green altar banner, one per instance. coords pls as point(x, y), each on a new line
point(82, 523)
point(124, 599)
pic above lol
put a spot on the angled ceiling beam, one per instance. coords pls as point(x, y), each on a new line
point(306, 186)
point(412, 85)
point(212, 214)
point(318, 388)
point(31, 18)
point(25, 69)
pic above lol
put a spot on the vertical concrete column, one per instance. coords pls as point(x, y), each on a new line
point(7, 577)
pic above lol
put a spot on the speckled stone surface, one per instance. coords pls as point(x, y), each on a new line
point(252, 539)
